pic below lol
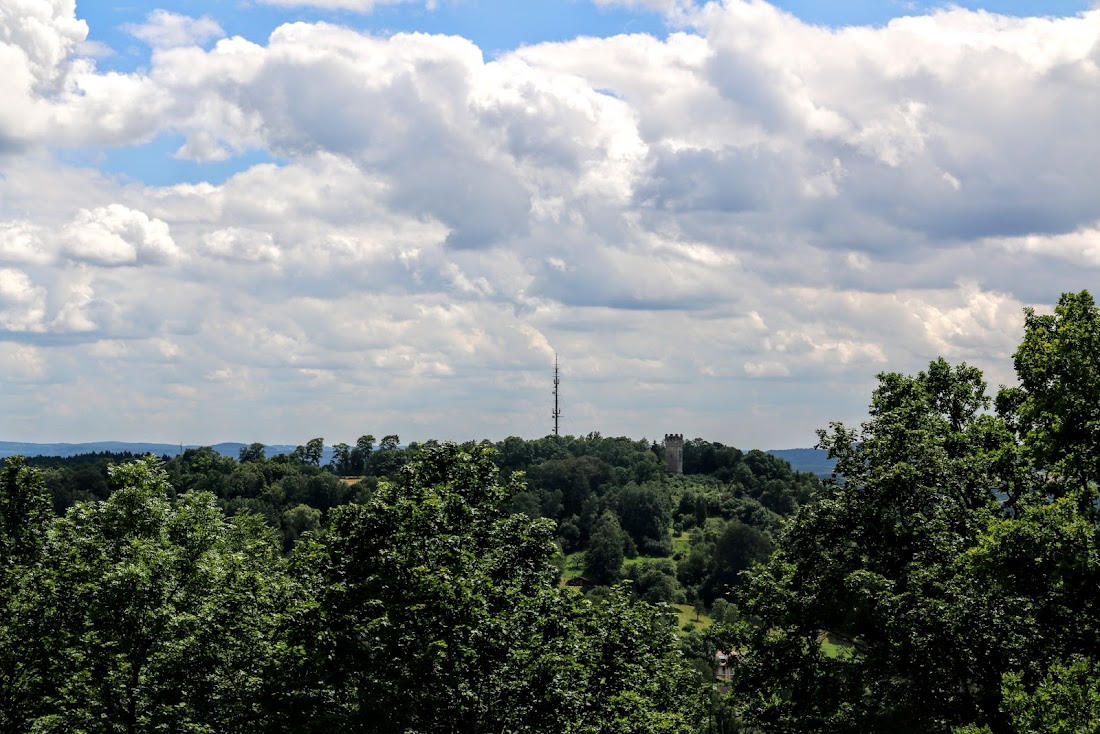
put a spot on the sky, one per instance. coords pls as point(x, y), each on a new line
point(271, 220)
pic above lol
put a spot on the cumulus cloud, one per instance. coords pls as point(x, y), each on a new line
point(748, 218)
point(165, 29)
point(36, 41)
point(671, 8)
point(1080, 247)
point(51, 89)
point(236, 243)
point(358, 6)
point(76, 306)
point(22, 302)
point(22, 243)
point(117, 235)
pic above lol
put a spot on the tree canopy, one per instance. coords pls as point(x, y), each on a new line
point(943, 580)
point(955, 557)
point(428, 606)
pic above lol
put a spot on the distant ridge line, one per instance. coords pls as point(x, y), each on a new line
point(231, 449)
point(813, 461)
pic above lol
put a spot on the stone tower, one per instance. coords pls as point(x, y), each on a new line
point(674, 453)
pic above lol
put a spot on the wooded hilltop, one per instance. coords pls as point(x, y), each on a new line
point(945, 580)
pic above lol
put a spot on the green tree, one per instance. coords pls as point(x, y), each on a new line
point(736, 550)
point(567, 481)
point(654, 580)
point(161, 612)
point(411, 585)
point(314, 449)
point(1032, 570)
point(877, 561)
point(1056, 408)
point(25, 512)
point(435, 609)
point(299, 520)
point(341, 459)
point(645, 512)
point(365, 443)
point(27, 647)
point(603, 561)
point(361, 453)
point(1066, 700)
point(251, 453)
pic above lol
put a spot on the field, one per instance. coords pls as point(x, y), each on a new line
point(832, 647)
point(685, 616)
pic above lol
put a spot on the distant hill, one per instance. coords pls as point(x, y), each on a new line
point(13, 448)
point(815, 461)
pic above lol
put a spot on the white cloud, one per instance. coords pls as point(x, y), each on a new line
point(980, 322)
point(675, 9)
point(751, 197)
point(74, 313)
point(51, 90)
point(22, 363)
point(37, 39)
point(22, 303)
point(22, 243)
point(236, 243)
point(358, 6)
point(1080, 247)
point(164, 29)
point(766, 369)
point(117, 235)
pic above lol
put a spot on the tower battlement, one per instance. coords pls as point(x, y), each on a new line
point(674, 453)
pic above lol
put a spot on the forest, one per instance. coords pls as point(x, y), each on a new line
point(944, 579)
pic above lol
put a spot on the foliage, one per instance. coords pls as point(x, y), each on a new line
point(603, 561)
point(26, 651)
point(427, 592)
point(645, 513)
point(874, 562)
point(147, 614)
point(428, 606)
point(1066, 700)
point(1056, 408)
point(956, 557)
point(24, 513)
point(437, 610)
point(654, 580)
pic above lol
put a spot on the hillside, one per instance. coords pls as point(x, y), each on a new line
point(815, 461)
point(231, 449)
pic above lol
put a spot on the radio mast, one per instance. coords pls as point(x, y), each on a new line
point(557, 381)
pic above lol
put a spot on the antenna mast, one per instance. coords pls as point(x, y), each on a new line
point(557, 381)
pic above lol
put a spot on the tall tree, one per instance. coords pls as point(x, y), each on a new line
point(314, 449)
point(1057, 405)
point(875, 562)
point(603, 561)
point(952, 530)
point(341, 459)
point(645, 512)
point(361, 453)
point(25, 512)
point(161, 612)
point(27, 647)
point(737, 548)
point(437, 610)
point(253, 452)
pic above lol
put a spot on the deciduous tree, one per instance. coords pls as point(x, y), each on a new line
point(161, 613)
